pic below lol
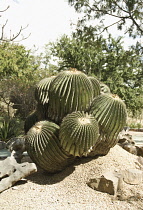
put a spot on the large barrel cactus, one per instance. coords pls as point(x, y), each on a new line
point(110, 112)
point(69, 91)
point(75, 118)
point(44, 148)
point(79, 131)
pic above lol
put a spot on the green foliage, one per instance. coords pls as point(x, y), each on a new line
point(135, 125)
point(20, 92)
point(10, 128)
point(126, 15)
point(16, 61)
point(121, 70)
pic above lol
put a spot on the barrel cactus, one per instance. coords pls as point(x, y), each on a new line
point(70, 91)
point(44, 148)
point(79, 131)
point(96, 86)
point(42, 88)
point(77, 116)
point(105, 88)
point(30, 121)
point(110, 112)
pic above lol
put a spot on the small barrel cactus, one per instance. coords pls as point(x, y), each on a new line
point(79, 131)
point(70, 91)
point(110, 112)
point(44, 148)
point(104, 88)
point(41, 91)
point(96, 86)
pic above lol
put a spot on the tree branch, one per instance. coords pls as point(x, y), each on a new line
point(109, 26)
point(107, 12)
point(2, 32)
point(136, 24)
point(5, 9)
point(13, 36)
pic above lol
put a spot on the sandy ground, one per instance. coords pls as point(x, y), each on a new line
point(68, 190)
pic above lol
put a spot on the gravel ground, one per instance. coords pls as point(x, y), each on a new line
point(68, 190)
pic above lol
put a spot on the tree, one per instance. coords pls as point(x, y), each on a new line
point(126, 14)
point(16, 61)
point(120, 69)
point(12, 37)
point(19, 72)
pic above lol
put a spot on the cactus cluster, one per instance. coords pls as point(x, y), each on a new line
point(74, 118)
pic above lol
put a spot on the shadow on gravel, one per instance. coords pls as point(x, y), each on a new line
point(43, 178)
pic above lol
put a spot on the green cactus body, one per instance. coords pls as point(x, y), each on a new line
point(41, 91)
point(96, 86)
point(69, 91)
point(111, 114)
point(30, 121)
point(79, 131)
point(105, 88)
point(44, 148)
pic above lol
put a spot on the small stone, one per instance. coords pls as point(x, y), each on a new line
point(139, 151)
point(132, 176)
point(108, 183)
point(14, 188)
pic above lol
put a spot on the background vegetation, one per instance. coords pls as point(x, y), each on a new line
point(87, 49)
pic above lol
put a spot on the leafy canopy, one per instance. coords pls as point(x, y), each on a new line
point(126, 14)
point(121, 70)
point(16, 61)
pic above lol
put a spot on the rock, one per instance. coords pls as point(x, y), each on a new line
point(125, 138)
point(2, 145)
point(130, 148)
point(132, 176)
point(140, 160)
point(17, 146)
point(11, 172)
point(110, 182)
point(139, 151)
